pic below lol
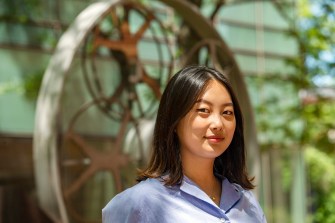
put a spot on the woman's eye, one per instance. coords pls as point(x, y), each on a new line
point(228, 112)
point(203, 110)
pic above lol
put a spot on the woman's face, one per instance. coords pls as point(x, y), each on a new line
point(208, 128)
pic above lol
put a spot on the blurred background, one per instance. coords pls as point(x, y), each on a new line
point(80, 81)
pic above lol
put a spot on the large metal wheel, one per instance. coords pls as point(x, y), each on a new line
point(87, 150)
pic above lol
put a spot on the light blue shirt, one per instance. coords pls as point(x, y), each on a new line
point(151, 202)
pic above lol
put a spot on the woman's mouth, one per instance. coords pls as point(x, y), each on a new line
point(214, 139)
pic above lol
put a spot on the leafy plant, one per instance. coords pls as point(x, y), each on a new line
point(31, 84)
point(321, 175)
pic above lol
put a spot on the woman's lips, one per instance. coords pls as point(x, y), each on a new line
point(214, 138)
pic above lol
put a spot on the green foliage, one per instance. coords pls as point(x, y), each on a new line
point(277, 112)
point(8, 87)
point(319, 120)
point(316, 26)
point(315, 34)
point(31, 85)
point(321, 174)
point(19, 11)
point(24, 15)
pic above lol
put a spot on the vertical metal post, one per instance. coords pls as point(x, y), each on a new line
point(298, 194)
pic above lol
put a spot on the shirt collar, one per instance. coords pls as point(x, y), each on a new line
point(191, 188)
point(231, 193)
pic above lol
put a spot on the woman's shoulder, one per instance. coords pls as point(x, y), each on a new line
point(139, 192)
point(237, 187)
point(134, 202)
point(247, 199)
point(149, 185)
point(245, 194)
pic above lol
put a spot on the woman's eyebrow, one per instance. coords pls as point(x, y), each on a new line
point(210, 103)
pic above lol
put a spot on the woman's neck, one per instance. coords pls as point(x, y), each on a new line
point(201, 172)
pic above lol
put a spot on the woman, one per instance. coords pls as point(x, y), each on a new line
point(197, 171)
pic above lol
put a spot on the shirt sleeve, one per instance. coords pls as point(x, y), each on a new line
point(119, 210)
point(138, 204)
point(256, 205)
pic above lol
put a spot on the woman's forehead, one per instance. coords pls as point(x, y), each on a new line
point(209, 86)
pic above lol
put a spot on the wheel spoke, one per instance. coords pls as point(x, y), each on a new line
point(77, 183)
point(122, 130)
point(87, 149)
point(143, 28)
point(153, 83)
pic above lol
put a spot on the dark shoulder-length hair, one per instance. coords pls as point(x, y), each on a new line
point(179, 96)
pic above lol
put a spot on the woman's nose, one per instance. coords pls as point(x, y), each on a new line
point(216, 123)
